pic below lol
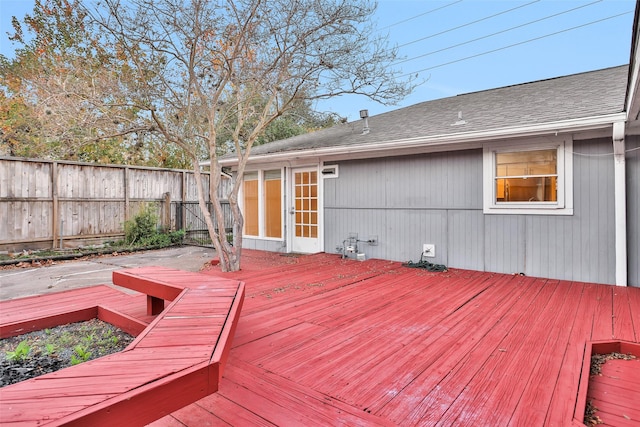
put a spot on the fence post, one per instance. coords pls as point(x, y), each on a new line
point(126, 193)
point(55, 211)
point(166, 212)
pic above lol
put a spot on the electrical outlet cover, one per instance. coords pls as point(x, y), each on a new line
point(429, 250)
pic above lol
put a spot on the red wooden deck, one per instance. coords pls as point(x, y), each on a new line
point(175, 360)
point(325, 341)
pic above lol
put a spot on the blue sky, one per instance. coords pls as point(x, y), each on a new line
point(461, 46)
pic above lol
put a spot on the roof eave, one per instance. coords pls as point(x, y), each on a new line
point(436, 141)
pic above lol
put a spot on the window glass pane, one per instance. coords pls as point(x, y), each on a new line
point(526, 176)
point(275, 174)
point(538, 189)
point(526, 163)
point(273, 207)
point(251, 207)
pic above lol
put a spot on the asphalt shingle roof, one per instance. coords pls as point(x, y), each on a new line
point(575, 96)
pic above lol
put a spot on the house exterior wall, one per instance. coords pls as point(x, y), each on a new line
point(437, 198)
point(633, 210)
point(261, 244)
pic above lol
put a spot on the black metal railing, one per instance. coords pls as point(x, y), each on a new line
point(189, 217)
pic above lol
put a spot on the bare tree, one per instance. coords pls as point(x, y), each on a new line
point(207, 68)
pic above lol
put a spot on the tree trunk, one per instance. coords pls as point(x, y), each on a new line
point(228, 254)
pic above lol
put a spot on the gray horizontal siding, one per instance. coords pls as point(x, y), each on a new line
point(437, 198)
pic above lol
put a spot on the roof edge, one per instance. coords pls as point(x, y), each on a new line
point(562, 126)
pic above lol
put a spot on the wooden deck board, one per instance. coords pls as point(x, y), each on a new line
point(563, 400)
point(616, 392)
point(537, 387)
point(458, 365)
point(406, 334)
point(602, 328)
point(287, 402)
point(427, 359)
point(623, 328)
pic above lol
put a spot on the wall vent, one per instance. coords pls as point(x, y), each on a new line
point(330, 171)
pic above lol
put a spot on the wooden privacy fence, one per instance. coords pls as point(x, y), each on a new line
point(55, 204)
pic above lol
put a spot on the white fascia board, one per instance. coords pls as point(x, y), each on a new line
point(378, 148)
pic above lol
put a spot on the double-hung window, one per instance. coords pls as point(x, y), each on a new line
point(529, 178)
point(262, 203)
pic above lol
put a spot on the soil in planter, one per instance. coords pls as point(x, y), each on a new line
point(60, 347)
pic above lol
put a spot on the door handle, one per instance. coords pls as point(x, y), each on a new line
point(292, 211)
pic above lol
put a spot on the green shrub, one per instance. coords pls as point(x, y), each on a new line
point(142, 227)
point(177, 236)
point(142, 231)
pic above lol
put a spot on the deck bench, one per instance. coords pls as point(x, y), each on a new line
point(176, 360)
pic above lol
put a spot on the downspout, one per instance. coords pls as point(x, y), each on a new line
point(620, 203)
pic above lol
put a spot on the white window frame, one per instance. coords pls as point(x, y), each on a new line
point(261, 207)
point(564, 204)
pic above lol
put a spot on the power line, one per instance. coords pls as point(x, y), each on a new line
point(469, 23)
point(417, 16)
point(496, 33)
point(516, 44)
